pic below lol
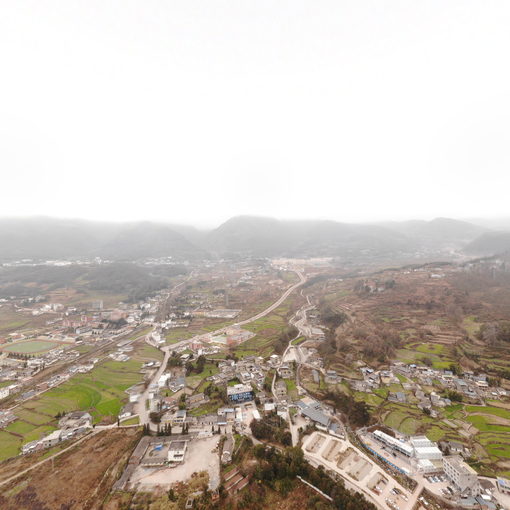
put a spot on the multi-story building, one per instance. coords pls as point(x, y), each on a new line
point(280, 389)
point(425, 449)
point(463, 476)
point(240, 393)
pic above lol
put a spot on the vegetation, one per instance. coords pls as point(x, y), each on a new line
point(279, 471)
point(271, 427)
point(356, 412)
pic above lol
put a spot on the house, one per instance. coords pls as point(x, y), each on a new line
point(51, 439)
point(285, 371)
point(331, 377)
point(398, 396)
point(196, 400)
point(314, 412)
point(280, 389)
point(127, 411)
point(453, 447)
point(75, 420)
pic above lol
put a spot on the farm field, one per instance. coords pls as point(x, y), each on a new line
point(100, 392)
point(488, 426)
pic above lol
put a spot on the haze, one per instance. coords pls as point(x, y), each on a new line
point(197, 111)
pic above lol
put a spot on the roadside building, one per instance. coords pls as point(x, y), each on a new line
point(285, 371)
point(51, 439)
point(280, 389)
point(393, 443)
point(462, 475)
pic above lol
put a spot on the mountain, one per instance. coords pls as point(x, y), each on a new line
point(439, 232)
point(50, 238)
point(489, 243)
point(270, 237)
point(146, 240)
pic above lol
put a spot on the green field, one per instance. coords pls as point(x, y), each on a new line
point(438, 354)
point(30, 347)
point(101, 392)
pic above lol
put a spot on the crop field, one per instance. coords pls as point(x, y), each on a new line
point(30, 347)
point(100, 392)
point(490, 433)
point(176, 335)
point(438, 354)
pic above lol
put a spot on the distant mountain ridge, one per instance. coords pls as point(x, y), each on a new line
point(489, 243)
point(50, 238)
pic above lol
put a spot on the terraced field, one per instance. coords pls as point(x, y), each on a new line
point(488, 426)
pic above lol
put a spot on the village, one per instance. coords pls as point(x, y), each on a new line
point(198, 398)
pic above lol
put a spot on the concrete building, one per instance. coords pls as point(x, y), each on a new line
point(394, 443)
point(51, 439)
point(285, 371)
point(240, 393)
point(424, 449)
point(177, 451)
point(280, 389)
point(463, 476)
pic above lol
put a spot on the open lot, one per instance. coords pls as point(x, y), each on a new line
point(201, 455)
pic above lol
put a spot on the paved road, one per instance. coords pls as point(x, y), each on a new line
point(277, 303)
point(141, 406)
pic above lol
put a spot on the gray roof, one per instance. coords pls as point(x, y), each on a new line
point(316, 416)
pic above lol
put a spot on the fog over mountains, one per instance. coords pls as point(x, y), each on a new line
point(50, 238)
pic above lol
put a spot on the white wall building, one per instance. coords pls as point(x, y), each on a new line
point(461, 474)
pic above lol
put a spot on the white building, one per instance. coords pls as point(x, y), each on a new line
point(176, 451)
point(162, 381)
point(51, 440)
point(394, 443)
point(461, 474)
point(424, 449)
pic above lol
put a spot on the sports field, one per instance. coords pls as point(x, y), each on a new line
point(30, 346)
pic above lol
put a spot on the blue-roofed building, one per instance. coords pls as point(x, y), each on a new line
point(240, 393)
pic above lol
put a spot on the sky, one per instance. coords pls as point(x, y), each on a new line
point(196, 111)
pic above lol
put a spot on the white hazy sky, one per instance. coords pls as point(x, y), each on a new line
point(200, 110)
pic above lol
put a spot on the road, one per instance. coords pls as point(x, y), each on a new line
point(277, 303)
point(141, 406)
point(33, 466)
